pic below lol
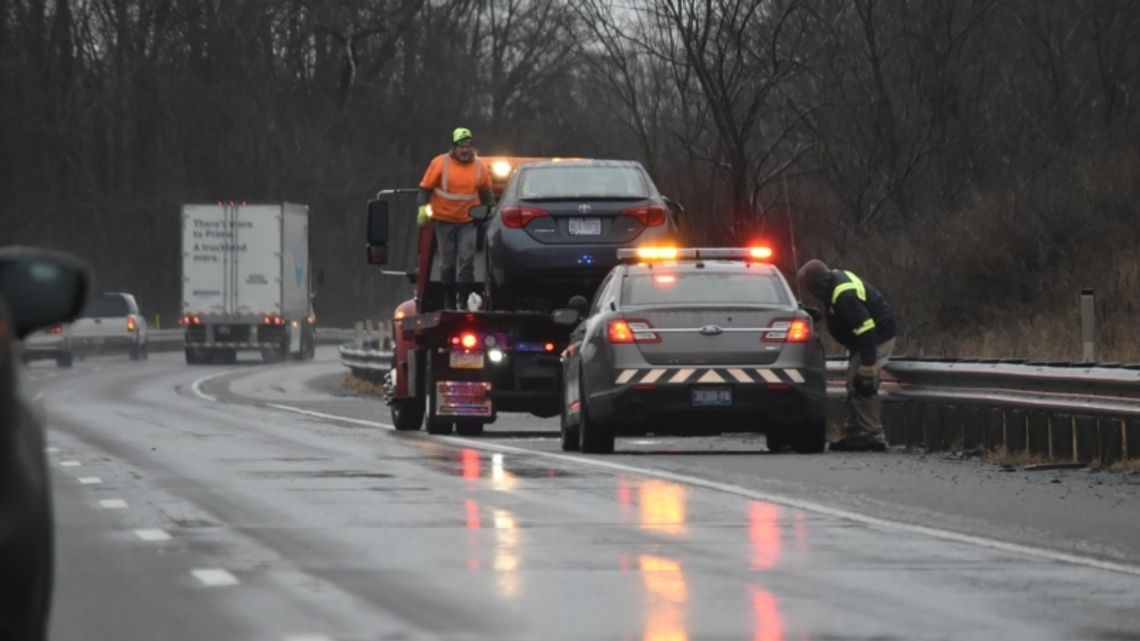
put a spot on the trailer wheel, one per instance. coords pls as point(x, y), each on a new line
point(407, 414)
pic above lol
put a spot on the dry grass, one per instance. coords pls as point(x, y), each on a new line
point(1126, 466)
point(1002, 456)
point(361, 386)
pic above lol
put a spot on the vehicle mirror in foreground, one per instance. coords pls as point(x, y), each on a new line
point(579, 304)
point(566, 316)
point(479, 212)
point(42, 287)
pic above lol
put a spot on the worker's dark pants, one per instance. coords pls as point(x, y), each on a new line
point(456, 243)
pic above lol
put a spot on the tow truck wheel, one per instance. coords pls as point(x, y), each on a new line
point(468, 428)
point(809, 437)
point(594, 437)
point(407, 414)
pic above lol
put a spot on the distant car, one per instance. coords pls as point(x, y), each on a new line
point(53, 343)
point(558, 225)
point(38, 289)
point(694, 342)
point(111, 322)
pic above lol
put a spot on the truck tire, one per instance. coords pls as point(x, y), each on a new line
point(193, 357)
point(594, 436)
point(469, 428)
point(407, 414)
point(777, 439)
point(134, 354)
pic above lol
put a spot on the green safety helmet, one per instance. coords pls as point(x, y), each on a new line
point(460, 134)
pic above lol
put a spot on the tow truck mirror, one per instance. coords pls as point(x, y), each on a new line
point(378, 222)
point(479, 212)
point(377, 232)
point(566, 316)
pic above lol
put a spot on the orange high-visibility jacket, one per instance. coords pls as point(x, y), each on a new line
point(454, 187)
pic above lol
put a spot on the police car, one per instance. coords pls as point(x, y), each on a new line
point(694, 342)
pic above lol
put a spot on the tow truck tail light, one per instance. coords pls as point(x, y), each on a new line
point(795, 330)
point(649, 215)
point(519, 217)
point(624, 332)
point(131, 324)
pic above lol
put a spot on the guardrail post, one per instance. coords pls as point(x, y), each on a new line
point(359, 327)
point(1088, 325)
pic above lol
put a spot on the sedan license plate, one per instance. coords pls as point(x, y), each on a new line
point(466, 360)
point(712, 396)
point(585, 226)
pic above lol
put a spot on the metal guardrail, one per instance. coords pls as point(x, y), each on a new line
point(1070, 412)
point(171, 340)
point(366, 363)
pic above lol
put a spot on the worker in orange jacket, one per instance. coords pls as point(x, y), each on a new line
point(454, 183)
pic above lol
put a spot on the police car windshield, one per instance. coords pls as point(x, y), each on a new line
point(582, 182)
point(663, 286)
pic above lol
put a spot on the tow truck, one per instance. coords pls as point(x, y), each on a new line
point(459, 369)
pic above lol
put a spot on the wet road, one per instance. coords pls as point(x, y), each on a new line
point(254, 502)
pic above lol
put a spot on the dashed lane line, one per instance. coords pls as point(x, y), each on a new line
point(69, 464)
point(727, 488)
point(152, 535)
point(90, 480)
point(215, 578)
point(196, 386)
point(113, 504)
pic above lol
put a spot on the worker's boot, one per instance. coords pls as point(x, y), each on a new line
point(449, 297)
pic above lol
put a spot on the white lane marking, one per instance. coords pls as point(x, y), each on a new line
point(70, 463)
point(794, 374)
point(90, 480)
point(681, 375)
point(215, 578)
point(152, 535)
point(624, 377)
point(196, 386)
point(768, 376)
point(52, 450)
point(787, 501)
point(308, 637)
point(653, 375)
point(113, 504)
point(711, 377)
point(740, 375)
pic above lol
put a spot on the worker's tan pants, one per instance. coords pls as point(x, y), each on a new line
point(865, 413)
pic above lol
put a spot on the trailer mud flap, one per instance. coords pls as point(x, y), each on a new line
point(463, 398)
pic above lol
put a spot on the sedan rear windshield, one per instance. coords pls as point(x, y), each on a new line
point(664, 287)
point(106, 307)
point(583, 181)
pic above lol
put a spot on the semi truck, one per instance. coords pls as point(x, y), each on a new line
point(246, 282)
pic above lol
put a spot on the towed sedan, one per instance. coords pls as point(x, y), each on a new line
point(559, 225)
point(694, 342)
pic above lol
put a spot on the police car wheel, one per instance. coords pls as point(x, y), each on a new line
point(570, 437)
point(809, 437)
point(594, 437)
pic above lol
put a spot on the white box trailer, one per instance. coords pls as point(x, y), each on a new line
point(246, 282)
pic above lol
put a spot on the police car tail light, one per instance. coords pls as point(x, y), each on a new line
point(631, 331)
point(796, 330)
point(519, 217)
point(649, 215)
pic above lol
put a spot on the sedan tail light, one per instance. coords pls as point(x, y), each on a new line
point(649, 215)
point(519, 217)
point(624, 332)
point(795, 330)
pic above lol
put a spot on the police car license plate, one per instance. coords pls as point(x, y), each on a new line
point(585, 226)
point(466, 360)
point(711, 396)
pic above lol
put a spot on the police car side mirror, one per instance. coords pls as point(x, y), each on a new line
point(479, 212)
point(566, 316)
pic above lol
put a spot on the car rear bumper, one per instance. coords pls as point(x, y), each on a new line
point(669, 409)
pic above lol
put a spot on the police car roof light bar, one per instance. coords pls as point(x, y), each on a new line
point(759, 253)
